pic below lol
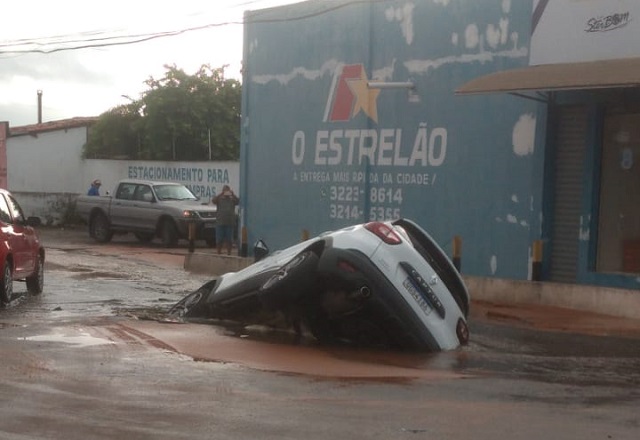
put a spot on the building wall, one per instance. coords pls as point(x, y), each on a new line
point(573, 31)
point(320, 150)
point(47, 161)
point(46, 172)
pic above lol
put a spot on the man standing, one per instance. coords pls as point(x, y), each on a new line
point(94, 190)
point(226, 202)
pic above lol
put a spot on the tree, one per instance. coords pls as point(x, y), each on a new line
point(115, 135)
point(180, 117)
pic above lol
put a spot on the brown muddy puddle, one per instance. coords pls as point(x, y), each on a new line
point(266, 349)
point(494, 350)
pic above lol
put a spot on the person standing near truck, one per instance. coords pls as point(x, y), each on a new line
point(94, 190)
point(226, 203)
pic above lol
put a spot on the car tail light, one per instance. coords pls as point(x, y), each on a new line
point(462, 330)
point(384, 232)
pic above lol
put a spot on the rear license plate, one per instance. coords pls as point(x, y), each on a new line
point(413, 291)
point(209, 225)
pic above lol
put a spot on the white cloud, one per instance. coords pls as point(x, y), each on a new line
point(89, 81)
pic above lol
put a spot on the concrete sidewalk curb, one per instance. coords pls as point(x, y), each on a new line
point(597, 299)
point(214, 264)
point(602, 300)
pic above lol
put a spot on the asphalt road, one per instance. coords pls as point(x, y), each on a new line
point(92, 358)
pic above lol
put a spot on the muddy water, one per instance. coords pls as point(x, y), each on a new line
point(90, 358)
point(136, 285)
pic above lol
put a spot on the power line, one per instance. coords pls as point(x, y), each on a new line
point(128, 39)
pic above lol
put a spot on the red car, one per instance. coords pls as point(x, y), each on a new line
point(21, 253)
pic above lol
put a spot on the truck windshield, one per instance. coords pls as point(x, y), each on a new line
point(174, 192)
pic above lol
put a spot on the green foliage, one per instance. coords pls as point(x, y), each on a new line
point(180, 117)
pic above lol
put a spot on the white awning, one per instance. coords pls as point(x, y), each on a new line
point(617, 73)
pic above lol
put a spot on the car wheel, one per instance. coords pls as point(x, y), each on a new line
point(190, 304)
point(211, 242)
point(100, 229)
point(292, 278)
point(6, 284)
point(35, 283)
point(144, 237)
point(169, 234)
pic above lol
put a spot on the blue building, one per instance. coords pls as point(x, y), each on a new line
point(356, 111)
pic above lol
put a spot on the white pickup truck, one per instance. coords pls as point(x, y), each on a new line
point(149, 209)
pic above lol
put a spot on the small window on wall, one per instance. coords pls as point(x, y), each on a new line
point(619, 216)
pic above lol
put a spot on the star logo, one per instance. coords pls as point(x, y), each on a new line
point(350, 94)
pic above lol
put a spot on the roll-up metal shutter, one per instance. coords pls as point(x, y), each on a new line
point(569, 145)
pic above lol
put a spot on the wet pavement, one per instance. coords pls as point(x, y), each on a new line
point(92, 358)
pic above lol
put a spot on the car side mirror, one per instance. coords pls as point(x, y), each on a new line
point(33, 221)
point(260, 250)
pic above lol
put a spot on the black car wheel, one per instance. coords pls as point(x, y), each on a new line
point(6, 284)
point(35, 283)
point(295, 276)
point(100, 229)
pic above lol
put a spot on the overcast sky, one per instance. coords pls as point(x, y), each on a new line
point(88, 81)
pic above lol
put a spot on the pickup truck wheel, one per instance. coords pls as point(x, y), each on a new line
point(6, 284)
point(169, 234)
point(35, 283)
point(100, 229)
point(144, 237)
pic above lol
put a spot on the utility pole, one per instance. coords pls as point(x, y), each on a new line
point(39, 106)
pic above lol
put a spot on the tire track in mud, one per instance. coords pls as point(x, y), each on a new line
point(135, 337)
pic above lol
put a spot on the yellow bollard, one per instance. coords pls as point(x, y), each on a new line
point(192, 236)
point(536, 263)
point(243, 245)
point(457, 252)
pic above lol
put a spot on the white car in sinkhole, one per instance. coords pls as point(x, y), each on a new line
point(377, 284)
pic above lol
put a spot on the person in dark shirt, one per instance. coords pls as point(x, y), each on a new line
point(95, 188)
point(226, 203)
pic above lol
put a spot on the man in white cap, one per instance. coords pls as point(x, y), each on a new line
point(95, 188)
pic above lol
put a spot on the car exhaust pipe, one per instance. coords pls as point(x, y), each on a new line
point(363, 292)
